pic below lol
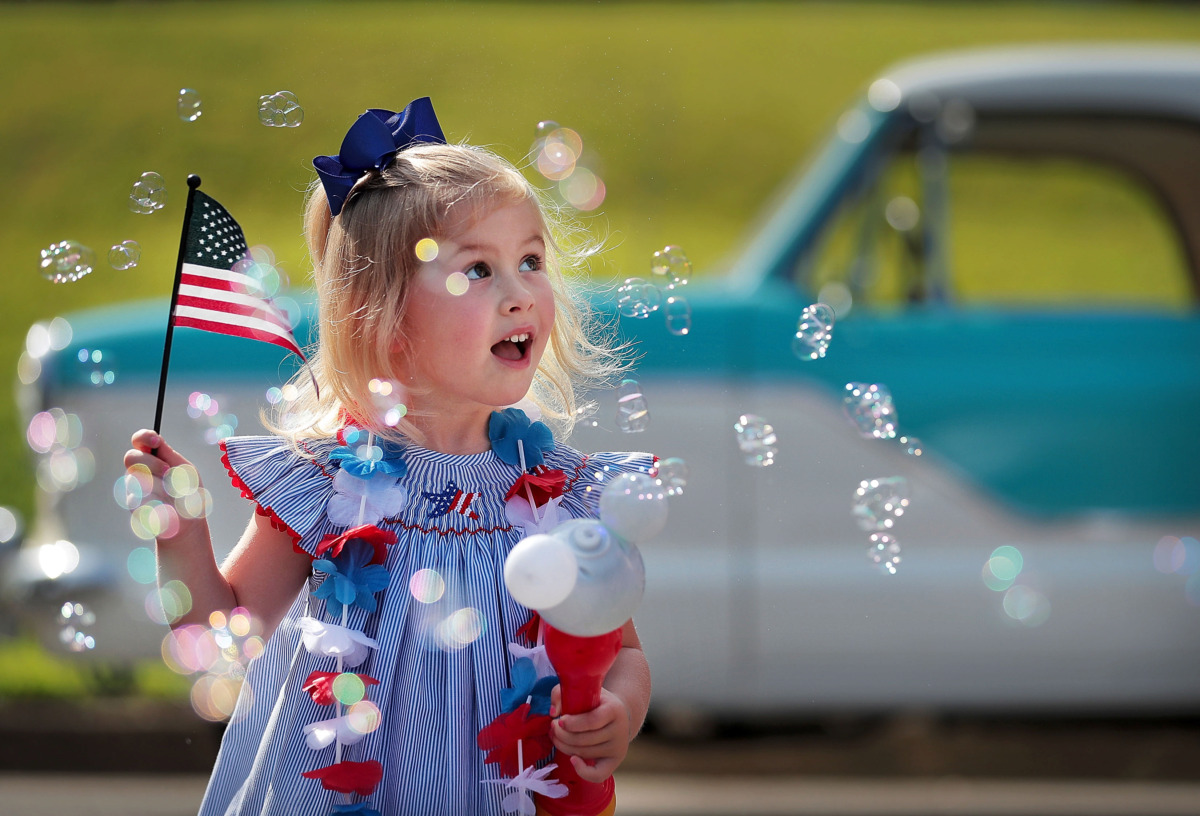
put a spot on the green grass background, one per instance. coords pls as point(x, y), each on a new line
point(693, 113)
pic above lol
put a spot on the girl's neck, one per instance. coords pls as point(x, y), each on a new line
point(454, 432)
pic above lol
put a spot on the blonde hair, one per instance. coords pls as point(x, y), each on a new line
point(364, 259)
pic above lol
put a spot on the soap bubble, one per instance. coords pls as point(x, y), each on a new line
point(73, 619)
point(912, 446)
point(854, 126)
point(670, 267)
point(633, 414)
point(457, 283)
point(348, 688)
point(540, 571)
point(426, 250)
point(427, 586)
point(142, 565)
point(679, 315)
point(756, 439)
point(557, 151)
point(583, 189)
point(189, 106)
point(66, 261)
point(460, 629)
point(280, 109)
point(124, 255)
point(673, 475)
point(814, 331)
point(363, 717)
point(637, 298)
point(869, 407)
point(10, 527)
point(902, 214)
point(884, 95)
point(98, 366)
point(57, 559)
point(884, 552)
point(217, 423)
point(1026, 604)
point(149, 193)
point(879, 502)
point(1002, 568)
point(634, 506)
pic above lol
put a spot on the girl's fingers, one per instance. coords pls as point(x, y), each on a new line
point(597, 773)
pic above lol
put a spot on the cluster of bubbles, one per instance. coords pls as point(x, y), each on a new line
point(152, 517)
point(74, 619)
point(388, 398)
point(756, 439)
point(217, 654)
point(149, 193)
point(814, 331)
point(557, 153)
point(66, 261)
point(64, 462)
point(673, 475)
point(206, 410)
point(670, 269)
point(633, 414)
point(98, 366)
point(280, 109)
point(124, 255)
point(285, 393)
point(869, 406)
point(1180, 556)
point(1023, 602)
point(878, 503)
point(41, 339)
point(189, 105)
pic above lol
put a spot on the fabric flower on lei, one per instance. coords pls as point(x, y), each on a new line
point(319, 686)
point(351, 579)
point(501, 737)
point(358, 501)
point(528, 687)
point(541, 661)
point(363, 458)
point(519, 513)
point(349, 777)
point(506, 427)
point(529, 630)
point(544, 484)
point(332, 545)
point(529, 781)
point(332, 640)
point(356, 809)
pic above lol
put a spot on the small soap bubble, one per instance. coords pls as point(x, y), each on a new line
point(670, 267)
point(348, 688)
point(884, 552)
point(457, 283)
point(73, 620)
point(912, 446)
point(149, 193)
point(544, 128)
point(363, 717)
point(124, 255)
point(673, 475)
point(189, 106)
point(814, 331)
point(902, 214)
point(1026, 604)
point(869, 407)
point(633, 414)
point(460, 629)
point(679, 315)
point(130, 490)
point(427, 586)
point(638, 298)
point(10, 527)
point(98, 366)
point(854, 126)
point(756, 439)
point(583, 189)
point(879, 502)
point(426, 250)
point(884, 95)
point(66, 261)
point(280, 109)
point(141, 565)
point(558, 151)
point(181, 481)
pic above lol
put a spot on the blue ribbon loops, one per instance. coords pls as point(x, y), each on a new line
point(372, 142)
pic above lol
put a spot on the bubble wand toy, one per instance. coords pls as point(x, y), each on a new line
point(585, 579)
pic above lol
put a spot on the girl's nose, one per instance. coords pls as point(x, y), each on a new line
point(517, 296)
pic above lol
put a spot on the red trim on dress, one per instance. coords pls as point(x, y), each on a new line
point(276, 522)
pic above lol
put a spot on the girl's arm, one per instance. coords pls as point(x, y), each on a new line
point(263, 574)
point(603, 734)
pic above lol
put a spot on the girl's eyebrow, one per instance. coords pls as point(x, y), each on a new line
point(536, 238)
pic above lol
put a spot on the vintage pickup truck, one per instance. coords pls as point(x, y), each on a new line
point(1049, 559)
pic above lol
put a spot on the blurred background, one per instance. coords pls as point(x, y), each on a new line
point(692, 116)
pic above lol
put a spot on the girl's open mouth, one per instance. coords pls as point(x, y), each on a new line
point(513, 348)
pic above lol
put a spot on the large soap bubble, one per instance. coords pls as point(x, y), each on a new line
point(814, 331)
point(634, 506)
point(869, 406)
point(280, 109)
point(66, 261)
point(756, 439)
point(879, 502)
point(189, 105)
point(633, 414)
point(149, 193)
point(637, 298)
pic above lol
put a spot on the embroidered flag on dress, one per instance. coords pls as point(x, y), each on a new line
point(215, 295)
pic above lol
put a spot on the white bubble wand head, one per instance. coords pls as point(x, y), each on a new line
point(586, 577)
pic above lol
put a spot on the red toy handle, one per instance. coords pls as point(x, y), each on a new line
point(581, 664)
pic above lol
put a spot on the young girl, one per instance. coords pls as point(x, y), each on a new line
point(388, 501)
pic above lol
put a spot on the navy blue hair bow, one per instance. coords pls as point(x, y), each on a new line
point(372, 142)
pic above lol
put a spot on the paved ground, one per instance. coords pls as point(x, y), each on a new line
point(670, 795)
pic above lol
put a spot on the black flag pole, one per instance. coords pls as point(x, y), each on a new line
point(193, 182)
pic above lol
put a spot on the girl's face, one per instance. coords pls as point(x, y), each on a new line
point(480, 314)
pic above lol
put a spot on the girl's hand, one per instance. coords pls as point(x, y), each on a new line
point(601, 735)
point(143, 454)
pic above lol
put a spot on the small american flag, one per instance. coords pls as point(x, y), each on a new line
point(214, 295)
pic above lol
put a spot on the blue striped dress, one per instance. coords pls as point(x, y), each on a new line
point(442, 656)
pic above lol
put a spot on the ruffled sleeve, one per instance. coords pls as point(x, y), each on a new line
point(587, 475)
point(290, 489)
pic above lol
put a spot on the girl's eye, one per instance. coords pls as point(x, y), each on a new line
point(531, 264)
point(478, 271)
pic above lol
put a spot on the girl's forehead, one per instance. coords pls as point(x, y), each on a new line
point(470, 219)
